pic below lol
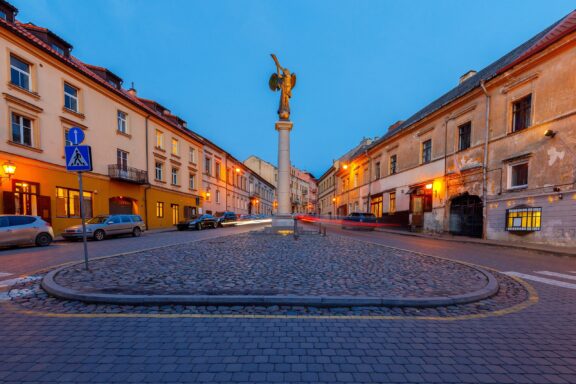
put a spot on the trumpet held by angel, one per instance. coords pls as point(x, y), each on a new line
point(284, 81)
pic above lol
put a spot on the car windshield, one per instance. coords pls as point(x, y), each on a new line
point(97, 220)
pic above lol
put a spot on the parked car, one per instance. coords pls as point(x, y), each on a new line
point(23, 230)
point(198, 222)
point(359, 220)
point(226, 218)
point(100, 227)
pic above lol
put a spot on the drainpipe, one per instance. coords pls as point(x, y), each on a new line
point(485, 163)
point(369, 180)
point(147, 174)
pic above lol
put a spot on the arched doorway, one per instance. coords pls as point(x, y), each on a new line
point(466, 215)
point(122, 205)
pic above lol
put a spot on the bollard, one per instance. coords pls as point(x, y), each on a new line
point(324, 231)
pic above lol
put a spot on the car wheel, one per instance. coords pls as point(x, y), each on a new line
point(99, 235)
point(136, 232)
point(43, 239)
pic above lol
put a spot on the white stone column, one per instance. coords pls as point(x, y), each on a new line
point(283, 217)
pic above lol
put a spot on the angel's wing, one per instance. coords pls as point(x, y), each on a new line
point(293, 80)
point(274, 82)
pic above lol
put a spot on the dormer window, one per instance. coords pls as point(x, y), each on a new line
point(3, 15)
point(7, 11)
point(58, 49)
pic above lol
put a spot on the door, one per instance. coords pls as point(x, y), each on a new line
point(120, 206)
point(113, 225)
point(466, 216)
point(175, 213)
point(418, 211)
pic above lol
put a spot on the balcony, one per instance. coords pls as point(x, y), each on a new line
point(127, 174)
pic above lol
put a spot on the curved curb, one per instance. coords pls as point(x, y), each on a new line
point(53, 288)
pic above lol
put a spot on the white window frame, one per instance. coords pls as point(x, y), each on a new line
point(192, 181)
point(159, 171)
point(174, 176)
point(21, 129)
point(122, 122)
point(511, 171)
point(192, 155)
point(21, 72)
point(75, 97)
point(122, 159)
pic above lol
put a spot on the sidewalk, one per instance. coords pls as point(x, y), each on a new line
point(562, 251)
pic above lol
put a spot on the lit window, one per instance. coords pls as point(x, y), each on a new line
point(464, 132)
point(519, 175)
point(122, 122)
point(174, 176)
point(159, 167)
point(392, 203)
point(175, 147)
point(521, 113)
point(70, 97)
point(19, 73)
point(68, 203)
point(21, 130)
point(523, 219)
point(426, 151)
point(159, 140)
point(159, 209)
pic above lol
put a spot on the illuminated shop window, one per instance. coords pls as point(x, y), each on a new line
point(523, 219)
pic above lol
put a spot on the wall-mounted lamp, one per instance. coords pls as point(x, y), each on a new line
point(9, 169)
point(550, 133)
point(208, 192)
point(429, 186)
point(237, 170)
point(333, 199)
point(345, 167)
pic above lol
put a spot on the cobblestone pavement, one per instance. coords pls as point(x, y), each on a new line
point(535, 344)
point(257, 264)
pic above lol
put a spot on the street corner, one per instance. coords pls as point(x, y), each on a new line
point(251, 275)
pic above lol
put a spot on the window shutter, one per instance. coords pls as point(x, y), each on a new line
point(44, 208)
point(9, 203)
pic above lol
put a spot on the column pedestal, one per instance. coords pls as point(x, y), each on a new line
point(283, 218)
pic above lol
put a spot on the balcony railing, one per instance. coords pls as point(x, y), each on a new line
point(128, 174)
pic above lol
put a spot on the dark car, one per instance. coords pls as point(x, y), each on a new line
point(226, 218)
point(198, 222)
point(359, 220)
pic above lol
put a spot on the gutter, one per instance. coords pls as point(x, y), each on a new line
point(485, 163)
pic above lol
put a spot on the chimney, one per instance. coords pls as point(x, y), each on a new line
point(467, 75)
point(132, 90)
point(395, 125)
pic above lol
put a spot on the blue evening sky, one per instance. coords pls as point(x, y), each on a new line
point(361, 65)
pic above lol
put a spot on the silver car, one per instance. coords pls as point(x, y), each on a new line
point(100, 227)
point(23, 230)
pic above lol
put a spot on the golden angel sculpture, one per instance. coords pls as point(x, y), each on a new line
point(284, 81)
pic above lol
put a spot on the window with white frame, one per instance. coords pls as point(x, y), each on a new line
point(70, 97)
point(174, 176)
point(122, 160)
point(159, 140)
point(192, 155)
point(192, 181)
point(20, 73)
point(158, 170)
point(217, 196)
point(518, 173)
point(122, 122)
point(22, 130)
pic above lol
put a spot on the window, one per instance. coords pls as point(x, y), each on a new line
point(3, 15)
point(355, 179)
point(175, 147)
point(392, 203)
point(122, 122)
point(174, 176)
point(393, 164)
point(159, 170)
point(192, 181)
point(521, 113)
point(159, 209)
point(58, 49)
point(122, 160)
point(523, 219)
point(207, 165)
point(464, 132)
point(218, 170)
point(21, 130)
point(377, 170)
point(68, 203)
point(217, 196)
point(159, 140)
point(519, 175)
point(70, 97)
point(175, 213)
point(426, 151)
point(192, 155)
point(19, 73)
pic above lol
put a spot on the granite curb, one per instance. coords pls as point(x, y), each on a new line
point(49, 285)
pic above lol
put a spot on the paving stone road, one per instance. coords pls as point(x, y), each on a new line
point(536, 344)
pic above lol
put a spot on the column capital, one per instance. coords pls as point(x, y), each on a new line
point(284, 125)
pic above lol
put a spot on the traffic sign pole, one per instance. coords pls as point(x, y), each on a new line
point(83, 215)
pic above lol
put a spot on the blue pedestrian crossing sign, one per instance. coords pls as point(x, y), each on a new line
point(78, 158)
point(75, 135)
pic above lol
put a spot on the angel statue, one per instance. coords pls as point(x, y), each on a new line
point(284, 81)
